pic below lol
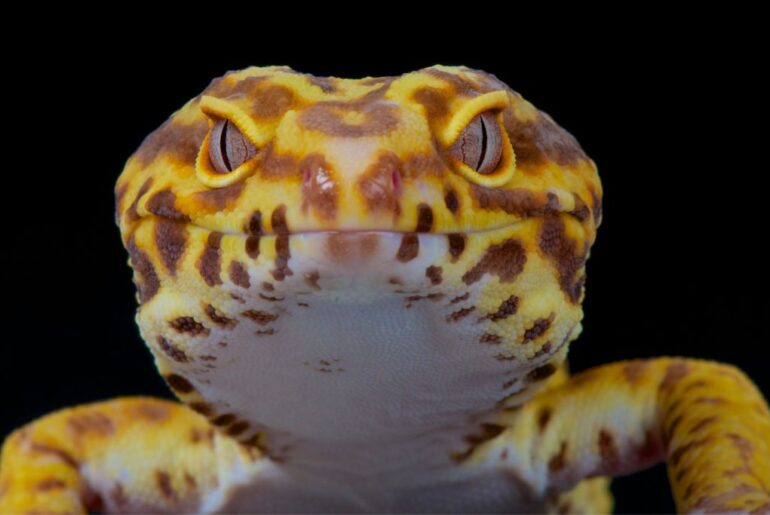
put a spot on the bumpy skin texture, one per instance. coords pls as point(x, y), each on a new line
point(363, 322)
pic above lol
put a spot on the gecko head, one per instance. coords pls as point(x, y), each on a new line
point(274, 189)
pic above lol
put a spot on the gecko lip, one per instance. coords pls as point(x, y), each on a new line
point(343, 231)
point(353, 232)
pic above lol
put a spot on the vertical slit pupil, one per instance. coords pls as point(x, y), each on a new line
point(483, 143)
point(223, 145)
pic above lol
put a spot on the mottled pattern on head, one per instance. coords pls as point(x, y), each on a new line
point(283, 228)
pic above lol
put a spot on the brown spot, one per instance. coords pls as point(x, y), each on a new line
point(536, 142)
point(509, 383)
point(238, 428)
point(172, 351)
point(61, 454)
point(188, 325)
point(431, 296)
point(282, 250)
point(152, 411)
point(744, 446)
point(559, 460)
point(580, 211)
point(539, 327)
point(504, 454)
point(238, 274)
point(650, 449)
point(433, 273)
point(451, 201)
point(460, 298)
point(303, 304)
point(120, 193)
point(171, 240)
point(270, 101)
point(219, 318)
point(456, 245)
point(93, 501)
point(487, 432)
point(543, 417)
point(209, 261)
point(503, 357)
point(506, 260)
point(224, 420)
point(409, 249)
point(459, 84)
point(118, 495)
point(506, 308)
point(701, 383)
point(423, 164)
point(91, 422)
point(173, 139)
point(376, 118)
point(703, 423)
point(207, 357)
point(344, 248)
point(199, 435)
point(190, 481)
point(459, 314)
point(163, 480)
point(545, 349)
point(491, 339)
point(424, 218)
point(597, 206)
point(254, 230)
point(179, 384)
point(275, 166)
point(260, 317)
point(267, 286)
point(520, 202)
point(227, 86)
point(163, 204)
point(145, 276)
point(634, 370)
point(435, 102)
point(541, 373)
point(220, 199)
point(265, 332)
point(674, 373)
point(132, 213)
point(311, 279)
point(50, 484)
point(269, 298)
point(676, 455)
point(564, 255)
point(380, 184)
point(319, 189)
point(608, 450)
point(326, 84)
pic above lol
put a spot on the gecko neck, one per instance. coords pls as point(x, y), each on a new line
point(362, 386)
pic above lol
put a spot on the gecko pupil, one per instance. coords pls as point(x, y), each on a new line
point(223, 145)
point(483, 143)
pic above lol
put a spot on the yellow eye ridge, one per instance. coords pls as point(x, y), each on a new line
point(495, 101)
point(216, 108)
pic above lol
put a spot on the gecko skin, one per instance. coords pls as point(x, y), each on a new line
point(363, 292)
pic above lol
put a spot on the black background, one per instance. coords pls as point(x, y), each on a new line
point(670, 111)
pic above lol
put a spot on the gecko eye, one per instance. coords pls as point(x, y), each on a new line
point(228, 147)
point(480, 145)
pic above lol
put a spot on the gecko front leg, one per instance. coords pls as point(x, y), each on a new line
point(125, 455)
point(705, 419)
